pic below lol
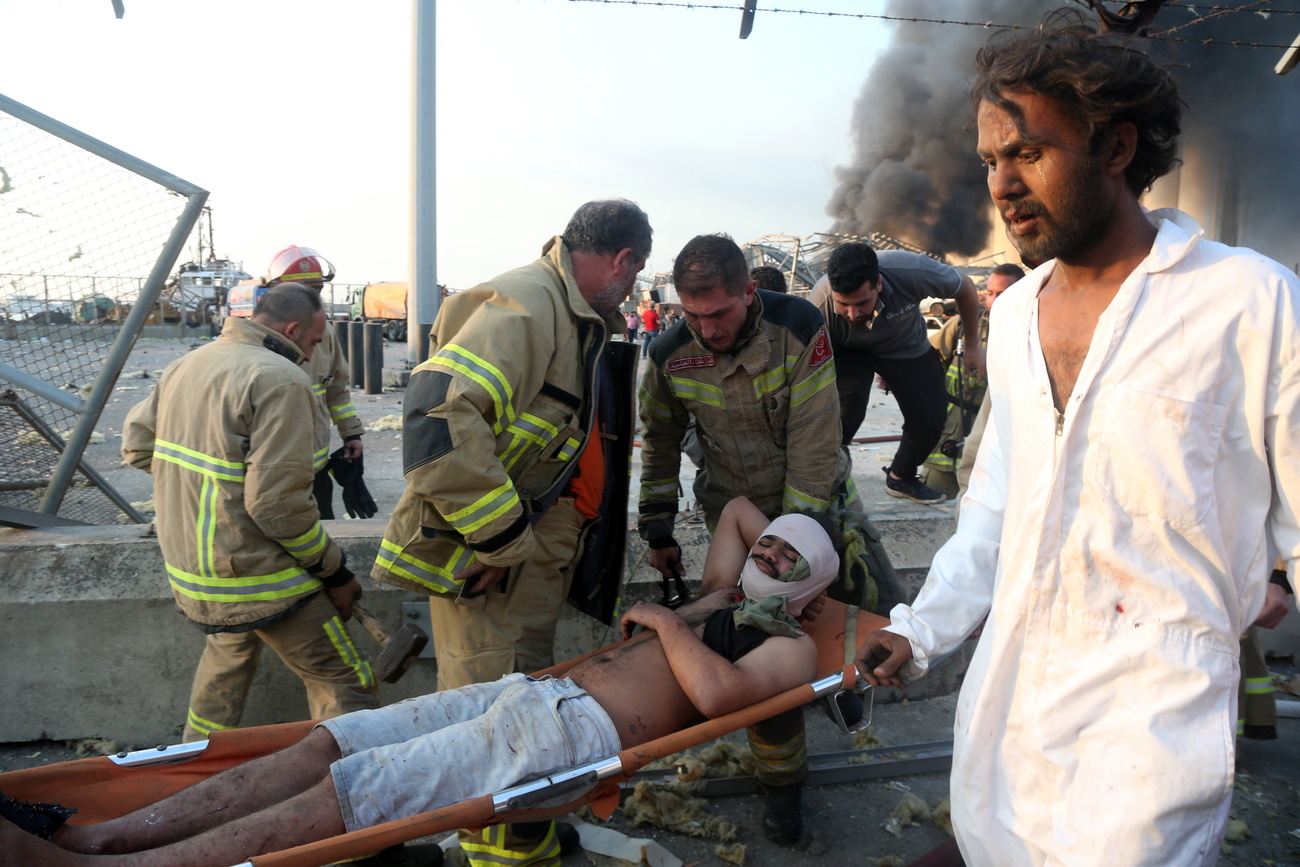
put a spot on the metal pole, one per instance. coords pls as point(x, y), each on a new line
point(61, 478)
point(423, 299)
point(341, 335)
point(356, 358)
point(374, 357)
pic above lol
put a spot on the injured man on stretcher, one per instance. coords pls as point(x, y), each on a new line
point(719, 654)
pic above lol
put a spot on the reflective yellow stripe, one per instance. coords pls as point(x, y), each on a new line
point(320, 459)
point(690, 389)
point(230, 471)
point(318, 388)
point(207, 726)
point(940, 461)
point(309, 544)
point(205, 535)
point(795, 501)
point(569, 449)
point(463, 361)
point(658, 489)
point(342, 411)
point(485, 509)
point(654, 406)
point(534, 429)
point(348, 652)
point(493, 852)
point(439, 579)
point(246, 588)
point(1259, 685)
point(823, 377)
point(767, 382)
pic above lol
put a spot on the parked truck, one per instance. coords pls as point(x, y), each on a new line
point(386, 303)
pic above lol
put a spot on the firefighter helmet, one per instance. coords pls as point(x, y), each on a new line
point(298, 265)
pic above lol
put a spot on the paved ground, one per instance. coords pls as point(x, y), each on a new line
point(847, 819)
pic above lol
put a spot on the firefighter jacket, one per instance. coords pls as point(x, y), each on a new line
point(225, 438)
point(494, 423)
point(767, 416)
point(965, 392)
point(329, 374)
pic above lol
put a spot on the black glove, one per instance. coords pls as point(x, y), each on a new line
point(348, 474)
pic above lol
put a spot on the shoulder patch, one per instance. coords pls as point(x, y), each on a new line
point(691, 361)
point(821, 350)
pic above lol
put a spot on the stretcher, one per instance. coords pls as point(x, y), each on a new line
point(105, 787)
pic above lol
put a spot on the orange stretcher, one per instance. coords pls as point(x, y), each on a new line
point(105, 787)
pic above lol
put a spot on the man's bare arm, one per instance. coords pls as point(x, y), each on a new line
point(739, 526)
point(713, 684)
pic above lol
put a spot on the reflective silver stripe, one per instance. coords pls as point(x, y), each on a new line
point(287, 582)
point(231, 471)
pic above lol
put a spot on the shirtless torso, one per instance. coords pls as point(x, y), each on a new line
point(1067, 318)
point(646, 695)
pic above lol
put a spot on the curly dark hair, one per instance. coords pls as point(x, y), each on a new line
point(1101, 80)
point(708, 261)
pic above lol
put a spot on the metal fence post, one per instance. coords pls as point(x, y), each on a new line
point(374, 355)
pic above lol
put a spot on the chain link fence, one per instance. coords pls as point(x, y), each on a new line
point(88, 235)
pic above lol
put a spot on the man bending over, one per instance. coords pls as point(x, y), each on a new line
point(726, 651)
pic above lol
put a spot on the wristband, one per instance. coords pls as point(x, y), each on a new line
point(663, 542)
point(1279, 578)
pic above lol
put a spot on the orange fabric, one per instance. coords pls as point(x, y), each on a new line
point(102, 790)
point(588, 483)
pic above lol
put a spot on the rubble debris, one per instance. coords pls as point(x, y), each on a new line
point(908, 811)
point(94, 746)
point(666, 806)
point(1237, 831)
point(889, 861)
point(388, 422)
point(941, 816)
point(734, 854)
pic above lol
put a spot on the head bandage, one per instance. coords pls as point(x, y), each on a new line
point(808, 538)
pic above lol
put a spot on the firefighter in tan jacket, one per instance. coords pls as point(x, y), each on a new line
point(328, 370)
point(501, 484)
point(228, 438)
point(496, 421)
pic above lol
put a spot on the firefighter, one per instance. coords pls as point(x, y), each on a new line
point(755, 371)
point(502, 490)
point(965, 389)
point(329, 373)
point(247, 557)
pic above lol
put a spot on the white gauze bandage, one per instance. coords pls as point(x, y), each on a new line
point(808, 538)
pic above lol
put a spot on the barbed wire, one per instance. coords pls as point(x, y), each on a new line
point(1214, 14)
point(1231, 43)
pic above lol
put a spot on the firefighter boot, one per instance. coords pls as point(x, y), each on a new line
point(783, 814)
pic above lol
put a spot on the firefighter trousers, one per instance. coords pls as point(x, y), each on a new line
point(510, 629)
point(311, 641)
point(1256, 703)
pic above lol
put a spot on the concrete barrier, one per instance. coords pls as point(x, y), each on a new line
point(93, 645)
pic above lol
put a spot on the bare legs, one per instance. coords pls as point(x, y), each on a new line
point(281, 800)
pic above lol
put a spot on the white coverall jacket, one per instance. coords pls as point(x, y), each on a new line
point(1119, 552)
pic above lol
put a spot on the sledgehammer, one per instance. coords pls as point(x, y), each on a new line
point(398, 650)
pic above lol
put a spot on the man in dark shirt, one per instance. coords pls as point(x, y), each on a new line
point(871, 303)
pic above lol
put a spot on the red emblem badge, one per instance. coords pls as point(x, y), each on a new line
point(821, 350)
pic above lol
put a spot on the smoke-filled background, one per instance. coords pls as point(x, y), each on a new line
point(914, 173)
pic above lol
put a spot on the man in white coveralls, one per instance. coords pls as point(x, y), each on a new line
point(1137, 479)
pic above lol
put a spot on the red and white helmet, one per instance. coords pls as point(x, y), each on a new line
point(296, 264)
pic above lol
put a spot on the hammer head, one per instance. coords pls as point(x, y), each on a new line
point(397, 655)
